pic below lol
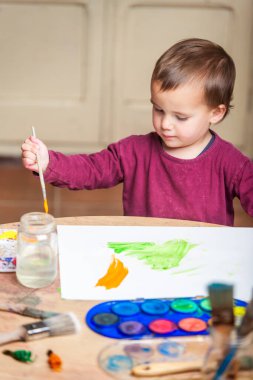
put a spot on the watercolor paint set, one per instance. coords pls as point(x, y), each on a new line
point(8, 245)
point(155, 318)
point(154, 358)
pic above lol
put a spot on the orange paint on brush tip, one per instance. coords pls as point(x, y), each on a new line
point(114, 275)
point(46, 206)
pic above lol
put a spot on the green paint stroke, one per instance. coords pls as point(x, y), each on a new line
point(158, 256)
point(187, 270)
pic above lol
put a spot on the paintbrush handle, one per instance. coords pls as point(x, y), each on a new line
point(27, 311)
point(42, 182)
point(165, 368)
point(226, 362)
point(41, 175)
point(11, 336)
point(40, 168)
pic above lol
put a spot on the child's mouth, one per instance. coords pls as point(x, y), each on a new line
point(167, 138)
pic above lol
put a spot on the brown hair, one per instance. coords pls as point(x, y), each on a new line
point(198, 60)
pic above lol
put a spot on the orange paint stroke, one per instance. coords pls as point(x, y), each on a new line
point(114, 275)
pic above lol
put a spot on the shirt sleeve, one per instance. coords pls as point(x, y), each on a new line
point(85, 171)
point(244, 187)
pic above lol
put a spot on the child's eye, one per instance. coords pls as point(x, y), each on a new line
point(181, 118)
point(158, 110)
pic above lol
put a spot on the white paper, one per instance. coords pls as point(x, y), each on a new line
point(221, 254)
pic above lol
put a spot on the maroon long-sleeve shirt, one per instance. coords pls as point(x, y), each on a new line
point(159, 185)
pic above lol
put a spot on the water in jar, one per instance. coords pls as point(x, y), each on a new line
point(37, 265)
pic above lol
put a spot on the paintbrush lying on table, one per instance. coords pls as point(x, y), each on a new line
point(165, 368)
point(62, 324)
point(26, 311)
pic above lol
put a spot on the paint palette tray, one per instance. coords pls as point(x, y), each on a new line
point(8, 244)
point(120, 360)
point(154, 318)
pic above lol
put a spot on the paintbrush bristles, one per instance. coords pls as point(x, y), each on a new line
point(62, 324)
point(222, 302)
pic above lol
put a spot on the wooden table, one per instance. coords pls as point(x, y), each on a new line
point(78, 352)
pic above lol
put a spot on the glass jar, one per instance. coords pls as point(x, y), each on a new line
point(226, 360)
point(37, 250)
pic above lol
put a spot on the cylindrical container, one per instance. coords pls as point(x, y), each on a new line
point(229, 357)
point(36, 250)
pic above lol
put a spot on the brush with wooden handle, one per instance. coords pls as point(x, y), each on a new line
point(165, 368)
point(151, 369)
point(26, 310)
point(41, 176)
point(61, 324)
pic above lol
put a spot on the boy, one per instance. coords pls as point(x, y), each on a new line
point(183, 170)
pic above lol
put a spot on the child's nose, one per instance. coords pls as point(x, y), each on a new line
point(167, 123)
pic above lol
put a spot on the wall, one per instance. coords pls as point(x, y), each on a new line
point(79, 70)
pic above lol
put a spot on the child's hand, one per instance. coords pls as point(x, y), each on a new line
point(30, 148)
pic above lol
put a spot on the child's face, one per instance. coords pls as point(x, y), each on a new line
point(182, 119)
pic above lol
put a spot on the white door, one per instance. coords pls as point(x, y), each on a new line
point(145, 29)
point(79, 70)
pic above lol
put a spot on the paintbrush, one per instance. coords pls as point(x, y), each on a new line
point(243, 330)
point(42, 182)
point(26, 311)
point(246, 325)
point(146, 370)
point(62, 324)
point(222, 302)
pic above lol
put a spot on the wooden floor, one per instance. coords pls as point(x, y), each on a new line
point(20, 193)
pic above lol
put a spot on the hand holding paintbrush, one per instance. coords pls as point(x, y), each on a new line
point(35, 157)
point(31, 148)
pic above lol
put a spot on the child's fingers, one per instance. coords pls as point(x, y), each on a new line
point(29, 157)
point(31, 167)
point(30, 164)
point(28, 152)
point(29, 146)
point(30, 149)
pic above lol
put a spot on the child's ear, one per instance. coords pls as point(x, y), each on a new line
point(217, 114)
